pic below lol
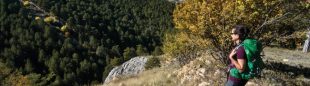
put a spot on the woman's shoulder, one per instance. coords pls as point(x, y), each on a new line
point(241, 52)
point(240, 48)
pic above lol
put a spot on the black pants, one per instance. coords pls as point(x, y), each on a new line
point(242, 82)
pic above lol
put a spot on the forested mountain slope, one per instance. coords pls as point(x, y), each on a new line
point(99, 34)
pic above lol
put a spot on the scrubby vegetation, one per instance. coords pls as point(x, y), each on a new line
point(152, 62)
point(205, 70)
point(205, 24)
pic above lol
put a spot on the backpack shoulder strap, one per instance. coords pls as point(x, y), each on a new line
point(236, 48)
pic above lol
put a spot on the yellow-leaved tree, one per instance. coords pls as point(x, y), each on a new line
point(210, 22)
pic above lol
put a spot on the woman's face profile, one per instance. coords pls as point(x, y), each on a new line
point(234, 35)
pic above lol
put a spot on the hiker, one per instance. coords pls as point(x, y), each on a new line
point(237, 56)
point(307, 43)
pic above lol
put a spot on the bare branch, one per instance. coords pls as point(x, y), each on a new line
point(272, 21)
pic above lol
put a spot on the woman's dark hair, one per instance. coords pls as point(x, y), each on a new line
point(242, 31)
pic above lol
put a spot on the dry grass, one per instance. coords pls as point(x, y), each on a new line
point(291, 57)
point(275, 78)
point(285, 67)
point(282, 58)
point(172, 75)
point(153, 77)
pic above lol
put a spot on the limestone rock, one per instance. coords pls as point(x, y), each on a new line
point(132, 67)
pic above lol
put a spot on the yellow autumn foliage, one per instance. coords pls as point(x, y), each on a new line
point(50, 19)
point(182, 45)
point(64, 28)
point(212, 20)
point(26, 3)
point(37, 18)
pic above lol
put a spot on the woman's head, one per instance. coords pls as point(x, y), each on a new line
point(239, 32)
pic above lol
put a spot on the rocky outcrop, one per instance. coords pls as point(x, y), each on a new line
point(132, 67)
point(201, 72)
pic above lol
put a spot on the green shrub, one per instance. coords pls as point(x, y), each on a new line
point(152, 62)
point(116, 61)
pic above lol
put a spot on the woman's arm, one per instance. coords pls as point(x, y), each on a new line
point(239, 63)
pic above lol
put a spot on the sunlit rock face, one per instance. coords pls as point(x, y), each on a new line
point(132, 67)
